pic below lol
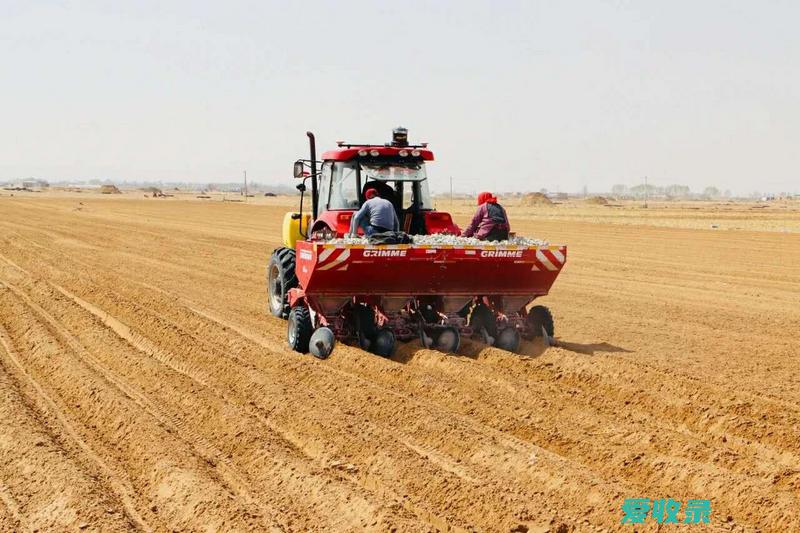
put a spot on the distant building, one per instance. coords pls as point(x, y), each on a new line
point(29, 183)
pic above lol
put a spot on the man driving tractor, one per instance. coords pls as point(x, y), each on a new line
point(377, 215)
point(490, 222)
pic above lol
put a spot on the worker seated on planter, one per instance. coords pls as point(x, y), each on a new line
point(376, 215)
point(490, 222)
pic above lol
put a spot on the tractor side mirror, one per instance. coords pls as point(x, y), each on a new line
point(298, 171)
point(301, 187)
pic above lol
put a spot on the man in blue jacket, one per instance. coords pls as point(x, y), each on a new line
point(377, 215)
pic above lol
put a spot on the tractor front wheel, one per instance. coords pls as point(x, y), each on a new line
point(299, 329)
point(281, 277)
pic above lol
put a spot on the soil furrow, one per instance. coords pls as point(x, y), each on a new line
point(118, 483)
point(175, 486)
point(491, 418)
point(144, 324)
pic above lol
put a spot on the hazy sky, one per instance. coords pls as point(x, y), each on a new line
point(511, 95)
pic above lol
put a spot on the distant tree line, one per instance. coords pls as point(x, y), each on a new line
point(676, 192)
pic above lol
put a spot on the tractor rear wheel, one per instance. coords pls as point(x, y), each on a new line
point(540, 317)
point(298, 331)
point(281, 277)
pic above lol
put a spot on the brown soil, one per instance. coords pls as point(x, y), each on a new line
point(143, 385)
point(597, 200)
point(535, 198)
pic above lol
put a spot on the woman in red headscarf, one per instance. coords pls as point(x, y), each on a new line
point(490, 222)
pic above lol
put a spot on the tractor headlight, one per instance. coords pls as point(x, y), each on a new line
point(415, 153)
point(362, 153)
point(374, 153)
point(403, 153)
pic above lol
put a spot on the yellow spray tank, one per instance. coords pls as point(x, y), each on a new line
point(292, 224)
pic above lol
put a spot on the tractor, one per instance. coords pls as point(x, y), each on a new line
point(330, 286)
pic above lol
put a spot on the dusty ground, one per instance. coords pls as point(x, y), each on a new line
point(779, 216)
point(142, 385)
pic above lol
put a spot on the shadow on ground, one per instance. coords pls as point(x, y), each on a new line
point(474, 349)
point(590, 348)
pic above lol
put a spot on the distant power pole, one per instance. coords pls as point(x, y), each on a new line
point(451, 190)
point(645, 192)
point(245, 186)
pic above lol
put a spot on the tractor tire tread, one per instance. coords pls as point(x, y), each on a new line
point(540, 317)
point(286, 261)
point(300, 319)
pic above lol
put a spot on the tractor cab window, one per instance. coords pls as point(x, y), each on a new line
point(344, 186)
point(408, 180)
point(325, 184)
point(408, 197)
point(418, 189)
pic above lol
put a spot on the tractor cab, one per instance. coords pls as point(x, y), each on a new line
point(396, 170)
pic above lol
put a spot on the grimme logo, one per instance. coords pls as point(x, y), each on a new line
point(384, 253)
point(501, 253)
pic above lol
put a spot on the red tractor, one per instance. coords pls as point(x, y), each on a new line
point(330, 287)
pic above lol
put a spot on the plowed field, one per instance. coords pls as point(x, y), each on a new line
point(143, 385)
